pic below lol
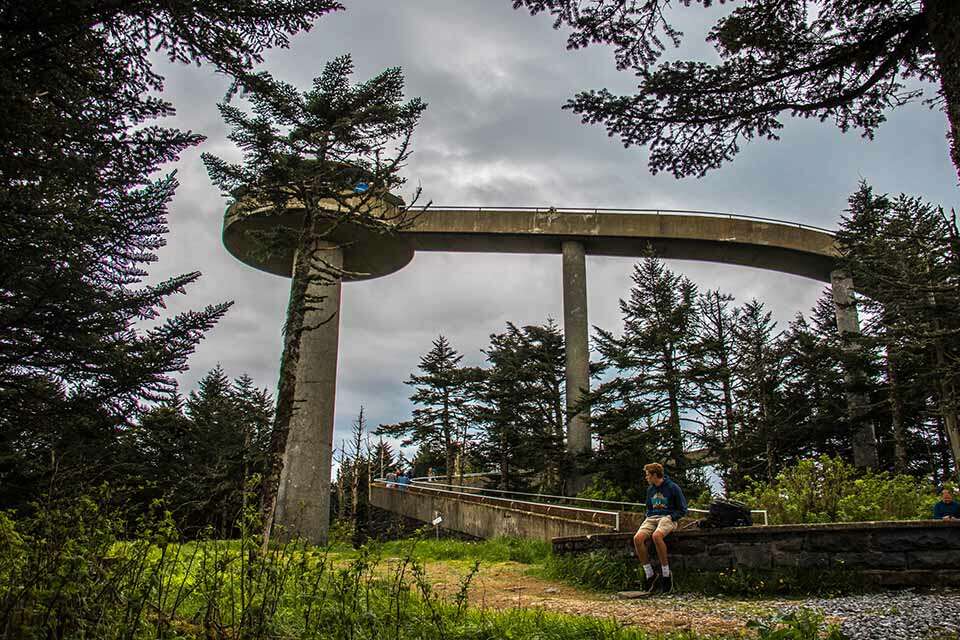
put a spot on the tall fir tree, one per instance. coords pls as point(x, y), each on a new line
point(82, 212)
point(651, 390)
point(520, 408)
point(441, 422)
point(711, 369)
point(312, 148)
point(900, 255)
point(759, 368)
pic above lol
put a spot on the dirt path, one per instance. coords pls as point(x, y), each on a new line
point(509, 585)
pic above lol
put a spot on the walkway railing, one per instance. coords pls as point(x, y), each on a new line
point(582, 210)
point(419, 484)
point(427, 482)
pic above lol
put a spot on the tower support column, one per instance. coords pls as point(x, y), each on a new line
point(577, 348)
point(303, 499)
point(848, 324)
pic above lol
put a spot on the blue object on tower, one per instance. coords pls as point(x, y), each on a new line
point(362, 187)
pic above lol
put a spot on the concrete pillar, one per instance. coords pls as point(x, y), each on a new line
point(303, 499)
point(576, 342)
point(845, 306)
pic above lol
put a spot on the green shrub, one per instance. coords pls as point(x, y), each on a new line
point(803, 624)
point(608, 572)
point(597, 570)
point(71, 571)
point(602, 489)
point(828, 489)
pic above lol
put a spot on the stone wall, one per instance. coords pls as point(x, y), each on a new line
point(886, 553)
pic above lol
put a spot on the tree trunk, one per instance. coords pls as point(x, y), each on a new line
point(896, 415)
point(944, 452)
point(287, 384)
point(943, 25)
point(771, 450)
point(447, 436)
point(948, 406)
point(945, 386)
point(676, 434)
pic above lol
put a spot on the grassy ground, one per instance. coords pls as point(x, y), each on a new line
point(70, 576)
point(523, 575)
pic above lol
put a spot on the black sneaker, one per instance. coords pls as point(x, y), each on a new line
point(650, 585)
point(666, 584)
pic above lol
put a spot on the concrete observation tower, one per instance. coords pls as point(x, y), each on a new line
point(792, 248)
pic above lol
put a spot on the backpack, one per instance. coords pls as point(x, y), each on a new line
point(727, 513)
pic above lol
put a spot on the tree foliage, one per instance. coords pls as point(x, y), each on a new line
point(305, 152)
point(442, 420)
point(846, 61)
point(651, 388)
point(902, 253)
point(82, 213)
point(520, 408)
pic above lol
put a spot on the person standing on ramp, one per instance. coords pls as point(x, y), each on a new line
point(665, 506)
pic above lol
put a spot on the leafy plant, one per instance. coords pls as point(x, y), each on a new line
point(828, 489)
point(802, 624)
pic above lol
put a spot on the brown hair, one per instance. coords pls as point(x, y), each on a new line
point(654, 468)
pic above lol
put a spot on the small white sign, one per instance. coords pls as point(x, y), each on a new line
point(437, 520)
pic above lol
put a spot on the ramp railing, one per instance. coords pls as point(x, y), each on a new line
point(457, 491)
point(427, 481)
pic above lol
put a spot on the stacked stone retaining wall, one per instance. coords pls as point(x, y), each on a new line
point(922, 552)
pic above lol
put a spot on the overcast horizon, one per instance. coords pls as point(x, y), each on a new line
point(494, 135)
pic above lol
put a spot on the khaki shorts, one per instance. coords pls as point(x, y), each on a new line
point(664, 524)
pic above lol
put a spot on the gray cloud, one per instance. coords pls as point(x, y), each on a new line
point(495, 134)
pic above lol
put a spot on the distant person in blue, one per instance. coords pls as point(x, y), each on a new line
point(403, 480)
point(946, 509)
point(665, 506)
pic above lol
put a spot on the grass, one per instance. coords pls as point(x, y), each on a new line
point(67, 573)
point(496, 550)
point(76, 572)
point(607, 572)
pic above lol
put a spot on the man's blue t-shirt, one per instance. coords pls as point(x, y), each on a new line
point(942, 509)
point(666, 500)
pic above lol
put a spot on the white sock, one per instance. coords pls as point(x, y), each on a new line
point(648, 569)
point(665, 570)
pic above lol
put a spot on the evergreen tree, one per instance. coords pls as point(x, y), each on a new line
point(651, 391)
point(813, 393)
point(441, 421)
point(900, 255)
point(759, 369)
point(521, 407)
point(201, 454)
point(382, 459)
point(846, 61)
point(360, 481)
point(313, 148)
point(712, 371)
point(80, 214)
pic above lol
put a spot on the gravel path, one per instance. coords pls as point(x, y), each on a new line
point(893, 615)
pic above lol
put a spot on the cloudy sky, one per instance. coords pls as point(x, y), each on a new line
point(494, 135)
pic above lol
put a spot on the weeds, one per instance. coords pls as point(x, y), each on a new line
point(605, 571)
point(72, 571)
point(804, 624)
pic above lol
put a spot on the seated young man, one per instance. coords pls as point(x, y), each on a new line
point(665, 506)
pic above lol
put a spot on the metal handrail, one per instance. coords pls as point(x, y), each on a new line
point(615, 514)
point(426, 480)
point(716, 214)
